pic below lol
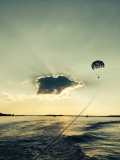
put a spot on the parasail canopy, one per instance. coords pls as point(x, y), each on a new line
point(97, 64)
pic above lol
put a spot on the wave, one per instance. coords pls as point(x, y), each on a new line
point(86, 137)
point(99, 125)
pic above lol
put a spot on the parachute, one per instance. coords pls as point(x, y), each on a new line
point(97, 66)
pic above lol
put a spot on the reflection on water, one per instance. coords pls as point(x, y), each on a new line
point(26, 137)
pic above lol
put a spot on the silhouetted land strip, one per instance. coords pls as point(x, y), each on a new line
point(3, 114)
point(60, 115)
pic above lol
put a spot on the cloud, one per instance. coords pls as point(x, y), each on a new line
point(54, 84)
point(5, 96)
point(49, 87)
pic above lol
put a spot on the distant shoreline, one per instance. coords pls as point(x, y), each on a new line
point(69, 116)
point(3, 114)
point(50, 115)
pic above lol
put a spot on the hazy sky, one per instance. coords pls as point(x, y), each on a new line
point(40, 37)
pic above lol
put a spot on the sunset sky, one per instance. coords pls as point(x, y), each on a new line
point(59, 37)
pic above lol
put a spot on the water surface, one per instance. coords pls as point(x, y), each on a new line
point(30, 137)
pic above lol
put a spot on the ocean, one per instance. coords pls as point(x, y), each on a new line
point(34, 138)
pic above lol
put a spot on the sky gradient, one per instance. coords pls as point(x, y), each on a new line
point(52, 37)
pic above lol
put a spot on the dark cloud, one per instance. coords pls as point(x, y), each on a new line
point(54, 84)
